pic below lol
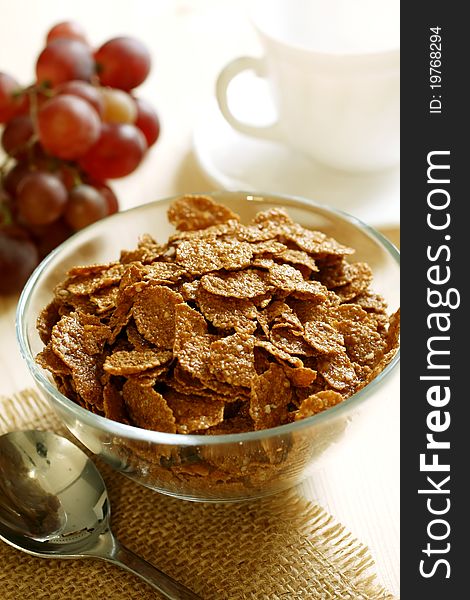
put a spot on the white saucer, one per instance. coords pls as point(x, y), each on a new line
point(235, 161)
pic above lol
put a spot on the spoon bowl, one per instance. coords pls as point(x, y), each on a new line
point(54, 503)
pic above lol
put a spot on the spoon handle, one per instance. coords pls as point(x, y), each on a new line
point(171, 589)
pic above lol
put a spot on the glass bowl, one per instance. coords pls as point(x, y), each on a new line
point(222, 467)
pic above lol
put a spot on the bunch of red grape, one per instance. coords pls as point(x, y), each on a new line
point(64, 136)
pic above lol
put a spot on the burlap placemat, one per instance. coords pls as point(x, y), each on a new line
point(278, 548)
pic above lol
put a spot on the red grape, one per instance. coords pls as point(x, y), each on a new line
point(64, 60)
point(119, 107)
point(123, 63)
point(67, 29)
point(18, 258)
point(85, 206)
point(41, 198)
point(48, 237)
point(84, 90)
point(14, 177)
point(10, 102)
point(40, 161)
point(68, 126)
point(112, 203)
point(16, 135)
point(117, 153)
point(147, 121)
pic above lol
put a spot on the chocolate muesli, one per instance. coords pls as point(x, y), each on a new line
point(227, 327)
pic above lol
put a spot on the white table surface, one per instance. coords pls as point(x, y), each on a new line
point(190, 41)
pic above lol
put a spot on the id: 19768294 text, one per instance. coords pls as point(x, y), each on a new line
point(435, 69)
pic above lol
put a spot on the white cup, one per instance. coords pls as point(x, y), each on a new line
point(333, 72)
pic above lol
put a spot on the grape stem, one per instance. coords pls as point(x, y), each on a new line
point(5, 214)
point(42, 87)
point(77, 179)
point(33, 108)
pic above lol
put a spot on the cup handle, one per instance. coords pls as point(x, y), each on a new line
point(234, 68)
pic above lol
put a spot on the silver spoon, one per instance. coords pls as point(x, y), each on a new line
point(54, 504)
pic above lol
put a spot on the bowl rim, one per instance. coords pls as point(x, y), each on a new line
point(158, 437)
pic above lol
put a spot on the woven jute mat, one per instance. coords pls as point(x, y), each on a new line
point(278, 548)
